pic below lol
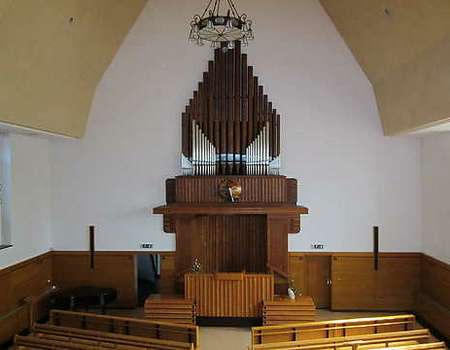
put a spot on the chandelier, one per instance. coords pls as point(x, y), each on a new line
point(221, 30)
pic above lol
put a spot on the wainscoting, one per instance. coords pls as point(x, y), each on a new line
point(111, 269)
point(433, 301)
point(340, 281)
point(28, 278)
point(349, 281)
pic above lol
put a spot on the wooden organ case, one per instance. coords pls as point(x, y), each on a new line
point(231, 209)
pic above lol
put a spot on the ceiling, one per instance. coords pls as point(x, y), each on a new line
point(53, 54)
point(404, 49)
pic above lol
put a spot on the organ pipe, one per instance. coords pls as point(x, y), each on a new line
point(230, 127)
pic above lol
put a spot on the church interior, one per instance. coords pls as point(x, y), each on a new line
point(236, 174)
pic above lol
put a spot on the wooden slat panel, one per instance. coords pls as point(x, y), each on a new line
point(228, 297)
point(206, 189)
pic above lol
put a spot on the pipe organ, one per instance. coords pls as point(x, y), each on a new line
point(230, 127)
point(231, 210)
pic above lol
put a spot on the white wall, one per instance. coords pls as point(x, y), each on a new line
point(351, 177)
point(436, 196)
point(30, 199)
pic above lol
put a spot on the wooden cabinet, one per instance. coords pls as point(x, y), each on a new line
point(358, 286)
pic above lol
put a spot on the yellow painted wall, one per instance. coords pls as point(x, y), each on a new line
point(404, 53)
point(50, 67)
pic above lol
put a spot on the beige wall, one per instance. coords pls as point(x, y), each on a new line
point(51, 67)
point(404, 53)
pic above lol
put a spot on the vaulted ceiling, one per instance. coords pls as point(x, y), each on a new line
point(52, 56)
point(404, 49)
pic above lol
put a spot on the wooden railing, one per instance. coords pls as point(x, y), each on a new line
point(229, 294)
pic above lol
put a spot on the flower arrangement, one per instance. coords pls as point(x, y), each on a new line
point(196, 266)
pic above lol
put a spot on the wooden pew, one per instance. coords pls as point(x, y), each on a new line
point(331, 329)
point(427, 346)
point(128, 326)
point(105, 339)
point(32, 343)
point(365, 341)
point(357, 346)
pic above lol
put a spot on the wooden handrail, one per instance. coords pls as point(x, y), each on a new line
point(278, 271)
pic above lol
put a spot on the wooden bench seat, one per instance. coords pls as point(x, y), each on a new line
point(426, 346)
point(331, 329)
point(104, 339)
point(128, 326)
point(366, 341)
point(33, 343)
point(359, 346)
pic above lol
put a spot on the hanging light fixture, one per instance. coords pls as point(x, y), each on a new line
point(216, 28)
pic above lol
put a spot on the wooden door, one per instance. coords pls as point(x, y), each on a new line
point(318, 280)
point(354, 283)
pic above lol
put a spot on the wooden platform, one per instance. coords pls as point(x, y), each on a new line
point(170, 308)
point(283, 310)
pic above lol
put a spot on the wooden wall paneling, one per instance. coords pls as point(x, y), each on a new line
point(224, 237)
point(354, 283)
point(13, 324)
point(297, 271)
point(436, 280)
point(26, 279)
point(277, 244)
point(358, 286)
point(433, 301)
point(188, 245)
point(168, 276)
point(398, 281)
point(318, 277)
point(434, 314)
point(72, 269)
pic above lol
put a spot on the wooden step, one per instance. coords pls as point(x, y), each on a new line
point(170, 308)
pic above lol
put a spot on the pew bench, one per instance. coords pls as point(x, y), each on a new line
point(331, 329)
point(127, 326)
point(366, 341)
point(105, 339)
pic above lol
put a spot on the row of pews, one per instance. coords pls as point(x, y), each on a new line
point(393, 332)
point(69, 330)
point(85, 331)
